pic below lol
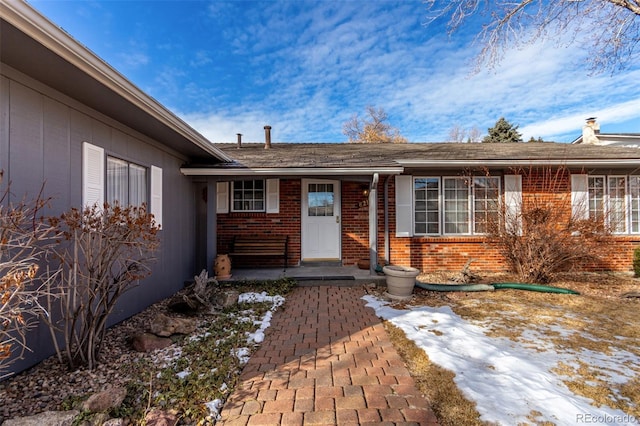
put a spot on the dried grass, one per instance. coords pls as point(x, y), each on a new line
point(600, 320)
point(435, 383)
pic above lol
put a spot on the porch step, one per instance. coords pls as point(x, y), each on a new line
point(320, 263)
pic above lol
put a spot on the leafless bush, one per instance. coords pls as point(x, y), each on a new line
point(542, 235)
point(23, 237)
point(103, 252)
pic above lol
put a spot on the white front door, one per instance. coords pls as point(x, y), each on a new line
point(320, 219)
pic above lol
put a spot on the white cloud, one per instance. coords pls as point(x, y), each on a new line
point(568, 127)
point(309, 66)
point(200, 58)
point(134, 59)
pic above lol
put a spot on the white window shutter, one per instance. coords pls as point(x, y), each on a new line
point(155, 207)
point(580, 196)
point(404, 206)
point(513, 203)
point(273, 195)
point(92, 175)
point(222, 197)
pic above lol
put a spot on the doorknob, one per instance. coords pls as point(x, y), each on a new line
point(337, 219)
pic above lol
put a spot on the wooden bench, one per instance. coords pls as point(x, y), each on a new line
point(260, 245)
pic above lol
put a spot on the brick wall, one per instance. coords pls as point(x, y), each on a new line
point(451, 253)
point(355, 223)
point(424, 253)
point(286, 222)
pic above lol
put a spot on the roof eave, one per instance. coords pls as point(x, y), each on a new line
point(294, 171)
point(519, 163)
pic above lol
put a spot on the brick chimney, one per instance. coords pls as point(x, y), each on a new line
point(267, 137)
point(239, 140)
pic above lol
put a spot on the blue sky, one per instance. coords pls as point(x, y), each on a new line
point(305, 67)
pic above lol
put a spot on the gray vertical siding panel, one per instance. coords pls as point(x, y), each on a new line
point(176, 256)
point(25, 141)
point(80, 131)
point(41, 140)
point(56, 155)
point(4, 124)
point(101, 135)
point(26, 172)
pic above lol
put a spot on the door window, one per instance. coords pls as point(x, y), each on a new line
point(320, 199)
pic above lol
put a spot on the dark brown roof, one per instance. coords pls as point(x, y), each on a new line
point(351, 155)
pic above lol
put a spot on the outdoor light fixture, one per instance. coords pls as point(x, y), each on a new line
point(365, 193)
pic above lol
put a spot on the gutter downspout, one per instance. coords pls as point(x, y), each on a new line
point(373, 224)
point(387, 245)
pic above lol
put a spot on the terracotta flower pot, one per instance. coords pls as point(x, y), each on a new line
point(400, 281)
point(222, 267)
point(363, 263)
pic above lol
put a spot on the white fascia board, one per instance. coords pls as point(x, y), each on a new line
point(512, 163)
point(298, 171)
point(39, 28)
point(607, 138)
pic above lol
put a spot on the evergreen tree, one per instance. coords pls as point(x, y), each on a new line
point(503, 132)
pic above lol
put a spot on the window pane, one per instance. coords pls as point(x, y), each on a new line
point(137, 185)
point(596, 197)
point(426, 209)
point(320, 199)
point(486, 193)
point(456, 206)
point(248, 195)
point(634, 193)
point(117, 181)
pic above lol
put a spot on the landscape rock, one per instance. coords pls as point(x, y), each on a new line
point(227, 298)
point(49, 418)
point(107, 399)
point(147, 342)
point(97, 419)
point(114, 422)
point(161, 418)
point(165, 326)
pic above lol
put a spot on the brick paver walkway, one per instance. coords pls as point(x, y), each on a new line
point(326, 360)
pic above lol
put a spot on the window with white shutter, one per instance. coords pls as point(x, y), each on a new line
point(155, 207)
point(404, 206)
point(92, 175)
point(273, 195)
point(513, 203)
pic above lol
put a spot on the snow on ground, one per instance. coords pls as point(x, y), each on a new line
point(243, 354)
point(265, 322)
point(507, 380)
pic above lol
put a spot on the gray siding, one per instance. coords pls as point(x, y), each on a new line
point(41, 136)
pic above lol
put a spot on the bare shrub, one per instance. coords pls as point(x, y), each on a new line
point(542, 235)
point(23, 237)
point(103, 252)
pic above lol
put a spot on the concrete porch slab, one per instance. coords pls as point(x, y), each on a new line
point(310, 275)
